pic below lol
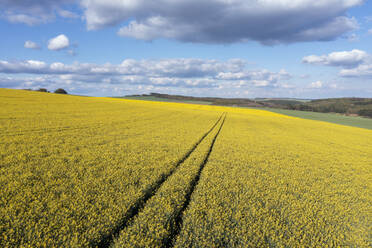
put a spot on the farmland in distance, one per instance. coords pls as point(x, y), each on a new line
point(103, 172)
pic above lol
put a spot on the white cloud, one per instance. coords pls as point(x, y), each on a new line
point(67, 14)
point(124, 85)
point(217, 21)
point(258, 78)
point(370, 31)
point(28, 66)
point(355, 63)
point(203, 21)
point(316, 85)
point(22, 18)
point(261, 83)
point(287, 86)
point(364, 70)
point(180, 68)
point(58, 43)
point(31, 45)
point(182, 73)
point(344, 59)
point(31, 12)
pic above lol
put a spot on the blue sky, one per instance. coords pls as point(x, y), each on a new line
point(237, 48)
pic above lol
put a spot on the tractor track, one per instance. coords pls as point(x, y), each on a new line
point(176, 229)
point(108, 239)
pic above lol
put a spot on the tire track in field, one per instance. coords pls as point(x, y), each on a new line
point(169, 241)
point(107, 240)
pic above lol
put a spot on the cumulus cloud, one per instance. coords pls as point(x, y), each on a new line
point(216, 21)
point(259, 78)
point(58, 43)
point(355, 63)
point(203, 21)
point(31, 45)
point(31, 12)
point(176, 73)
point(344, 59)
point(67, 14)
point(316, 85)
point(25, 19)
point(29, 66)
point(364, 70)
point(179, 68)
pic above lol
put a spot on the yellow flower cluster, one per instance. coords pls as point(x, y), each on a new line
point(275, 181)
point(72, 168)
point(157, 222)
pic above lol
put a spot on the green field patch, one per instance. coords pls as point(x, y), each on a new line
point(353, 121)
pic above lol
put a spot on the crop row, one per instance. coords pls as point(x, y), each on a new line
point(275, 181)
point(72, 187)
point(78, 172)
point(159, 222)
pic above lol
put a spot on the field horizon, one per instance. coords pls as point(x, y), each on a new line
point(337, 118)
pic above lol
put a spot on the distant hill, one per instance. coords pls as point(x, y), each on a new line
point(346, 106)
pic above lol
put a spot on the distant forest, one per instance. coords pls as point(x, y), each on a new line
point(347, 106)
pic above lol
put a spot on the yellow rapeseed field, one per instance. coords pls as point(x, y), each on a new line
point(154, 226)
point(72, 166)
point(276, 181)
point(100, 172)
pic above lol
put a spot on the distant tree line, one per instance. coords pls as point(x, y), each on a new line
point(334, 108)
point(361, 108)
point(348, 106)
point(57, 91)
point(365, 112)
